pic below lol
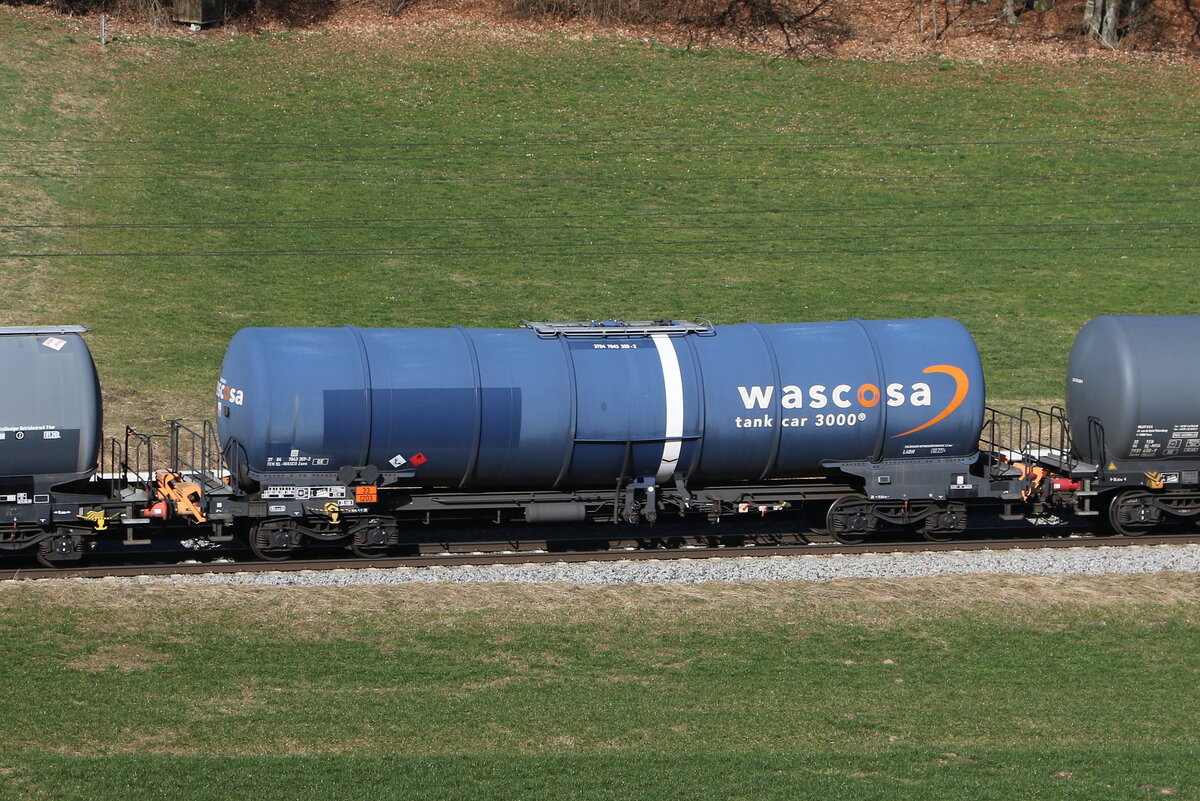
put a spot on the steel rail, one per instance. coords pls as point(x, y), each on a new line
point(510, 557)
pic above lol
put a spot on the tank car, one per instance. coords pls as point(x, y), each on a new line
point(1133, 411)
point(601, 420)
point(1126, 447)
point(50, 431)
point(50, 414)
point(55, 501)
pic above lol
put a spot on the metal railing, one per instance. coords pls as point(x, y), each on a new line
point(130, 459)
point(1035, 436)
point(608, 329)
point(197, 454)
point(134, 458)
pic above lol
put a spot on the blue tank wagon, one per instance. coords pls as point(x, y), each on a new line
point(603, 420)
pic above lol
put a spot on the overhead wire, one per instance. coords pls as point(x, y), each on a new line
point(427, 160)
point(407, 224)
point(691, 146)
point(678, 247)
point(113, 145)
point(620, 215)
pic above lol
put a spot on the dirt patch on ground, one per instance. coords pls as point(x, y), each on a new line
point(122, 657)
point(320, 611)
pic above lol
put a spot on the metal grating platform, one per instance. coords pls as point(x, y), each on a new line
point(620, 328)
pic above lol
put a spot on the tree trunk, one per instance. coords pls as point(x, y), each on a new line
point(1111, 18)
point(1092, 14)
point(1102, 19)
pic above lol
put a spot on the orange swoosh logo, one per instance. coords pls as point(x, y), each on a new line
point(962, 384)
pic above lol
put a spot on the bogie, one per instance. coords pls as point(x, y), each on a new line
point(274, 540)
point(62, 549)
point(850, 519)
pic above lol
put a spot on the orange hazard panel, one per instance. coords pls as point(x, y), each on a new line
point(368, 494)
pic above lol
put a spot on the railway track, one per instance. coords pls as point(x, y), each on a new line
point(464, 555)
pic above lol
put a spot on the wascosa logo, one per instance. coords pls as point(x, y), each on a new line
point(228, 394)
point(844, 396)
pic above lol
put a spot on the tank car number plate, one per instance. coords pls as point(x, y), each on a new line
point(303, 493)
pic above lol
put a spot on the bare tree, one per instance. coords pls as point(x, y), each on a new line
point(1013, 9)
point(787, 18)
point(1108, 19)
point(796, 26)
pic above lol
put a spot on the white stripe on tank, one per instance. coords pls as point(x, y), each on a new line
point(673, 389)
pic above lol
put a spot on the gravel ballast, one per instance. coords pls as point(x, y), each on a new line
point(1129, 559)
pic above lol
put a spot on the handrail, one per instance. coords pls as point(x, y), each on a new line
point(1033, 435)
point(179, 449)
point(196, 453)
point(619, 328)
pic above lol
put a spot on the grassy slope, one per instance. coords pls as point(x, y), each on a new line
point(850, 690)
point(50, 88)
point(537, 170)
point(463, 178)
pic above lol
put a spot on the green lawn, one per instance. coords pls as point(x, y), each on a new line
point(467, 177)
point(168, 191)
point(911, 691)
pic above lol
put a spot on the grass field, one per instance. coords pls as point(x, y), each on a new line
point(1052, 688)
point(476, 177)
point(168, 191)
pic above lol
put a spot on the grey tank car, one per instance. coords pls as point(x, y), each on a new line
point(50, 422)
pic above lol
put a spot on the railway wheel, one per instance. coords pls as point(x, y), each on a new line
point(273, 540)
point(1132, 512)
point(60, 550)
point(373, 537)
point(850, 520)
point(944, 524)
